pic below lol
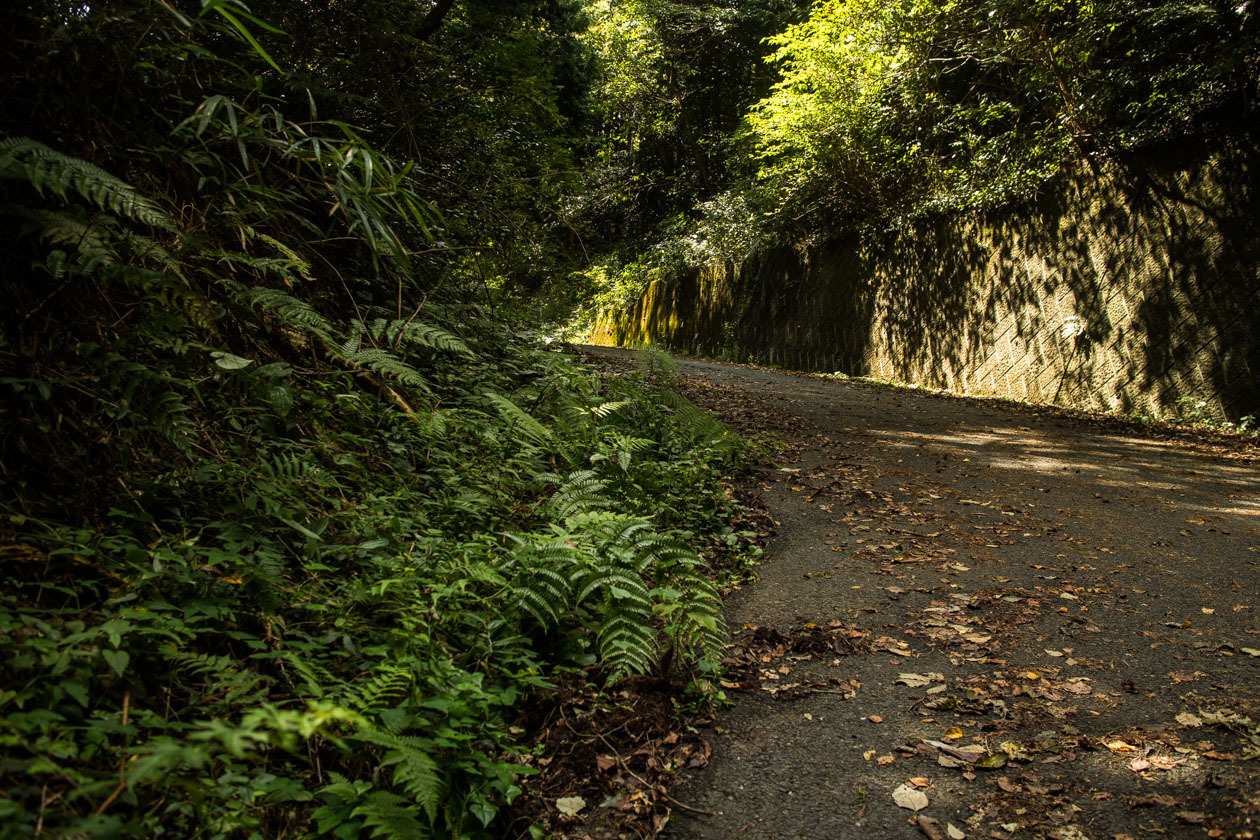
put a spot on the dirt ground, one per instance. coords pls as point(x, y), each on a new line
point(982, 620)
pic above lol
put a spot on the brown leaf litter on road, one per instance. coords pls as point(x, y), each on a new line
point(983, 620)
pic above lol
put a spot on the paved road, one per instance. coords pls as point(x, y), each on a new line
point(1071, 612)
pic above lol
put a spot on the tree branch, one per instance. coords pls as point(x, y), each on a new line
point(434, 18)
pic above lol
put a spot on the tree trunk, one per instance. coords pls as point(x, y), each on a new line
point(434, 18)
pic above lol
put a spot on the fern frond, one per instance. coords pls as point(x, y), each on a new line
point(46, 169)
point(290, 311)
point(91, 241)
point(224, 678)
point(390, 366)
point(518, 418)
point(609, 408)
point(629, 532)
point(389, 816)
point(414, 770)
point(537, 603)
point(314, 675)
point(372, 697)
point(419, 334)
point(427, 335)
point(554, 552)
point(295, 262)
point(580, 492)
point(545, 594)
point(626, 644)
point(295, 468)
point(354, 341)
point(481, 573)
point(617, 585)
point(696, 424)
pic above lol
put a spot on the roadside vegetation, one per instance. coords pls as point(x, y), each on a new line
point(298, 515)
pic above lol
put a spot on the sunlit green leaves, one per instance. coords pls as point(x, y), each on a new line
point(890, 110)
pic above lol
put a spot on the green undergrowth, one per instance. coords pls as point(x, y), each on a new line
point(326, 619)
point(314, 613)
point(293, 522)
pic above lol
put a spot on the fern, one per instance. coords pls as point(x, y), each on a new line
point(293, 260)
point(48, 170)
point(414, 770)
point(314, 675)
point(402, 333)
point(581, 490)
point(296, 469)
point(291, 312)
point(90, 240)
point(371, 697)
point(627, 644)
point(617, 585)
point(427, 335)
point(388, 365)
point(657, 364)
point(518, 419)
point(697, 426)
point(618, 575)
point(390, 816)
point(353, 342)
point(605, 410)
point(143, 392)
point(224, 678)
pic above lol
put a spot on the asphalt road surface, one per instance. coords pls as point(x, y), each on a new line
point(984, 620)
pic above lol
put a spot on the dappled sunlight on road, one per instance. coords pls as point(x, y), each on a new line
point(1108, 461)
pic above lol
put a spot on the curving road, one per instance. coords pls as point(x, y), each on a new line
point(1067, 611)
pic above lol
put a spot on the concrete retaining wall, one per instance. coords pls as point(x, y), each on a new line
point(1125, 290)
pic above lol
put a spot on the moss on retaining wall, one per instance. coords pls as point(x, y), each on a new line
point(1123, 290)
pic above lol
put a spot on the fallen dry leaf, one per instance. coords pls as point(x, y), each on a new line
point(875, 719)
point(1121, 746)
point(570, 805)
point(1163, 762)
point(885, 760)
point(909, 798)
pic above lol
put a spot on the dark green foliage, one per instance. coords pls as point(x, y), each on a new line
point(294, 515)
